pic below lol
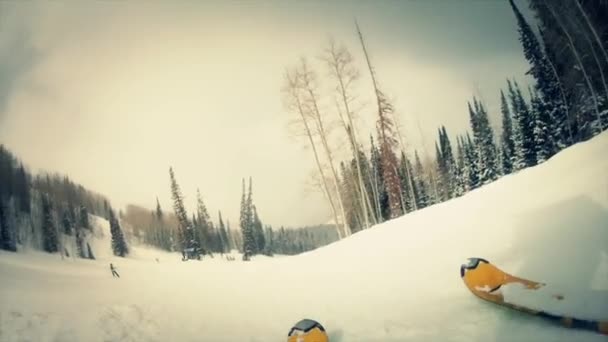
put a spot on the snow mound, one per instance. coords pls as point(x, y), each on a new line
point(398, 281)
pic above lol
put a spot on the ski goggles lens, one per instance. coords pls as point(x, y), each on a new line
point(305, 326)
point(471, 265)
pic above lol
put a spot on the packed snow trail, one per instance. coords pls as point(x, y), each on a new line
point(398, 281)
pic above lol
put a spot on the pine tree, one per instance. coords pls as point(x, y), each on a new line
point(507, 143)
point(159, 211)
point(49, 230)
point(185, 230)
point(471, 170)
point(119, 245)
point(224, 238)
point(270, 242)
point(231, 242)
point(7, 236)
point(258, 230)
point(523, 130)
point(421, 184)
point(407, 194)
point(380, 202)
point(249, 242)
point(204, 225)
point(461, 183)
point(550, 98)
point(446, 166)
point(487, 157)
point(544, 147)
point(23, 189)
point(84, 218)
point(66, 222)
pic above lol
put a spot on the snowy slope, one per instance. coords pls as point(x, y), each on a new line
point(398, 281)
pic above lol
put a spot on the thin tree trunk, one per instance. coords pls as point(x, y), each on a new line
point(580, 63)
point(426, 159)
point(317, 160)
point(407, 170)
point(597, 38)
point(597, 60)
point(334, 63)
point(323, 136)
point(376, 194)
point(563, 94)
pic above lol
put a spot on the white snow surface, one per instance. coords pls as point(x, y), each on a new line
point(398, 281)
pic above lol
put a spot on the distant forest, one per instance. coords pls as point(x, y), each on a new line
point(50, 212)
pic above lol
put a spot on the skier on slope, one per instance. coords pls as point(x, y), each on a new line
point(113, 269)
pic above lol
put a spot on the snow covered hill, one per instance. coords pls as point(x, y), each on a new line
point(398, 281)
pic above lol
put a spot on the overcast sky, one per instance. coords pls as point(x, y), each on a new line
point(113, 93)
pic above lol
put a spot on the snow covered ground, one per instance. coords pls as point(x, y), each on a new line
point(398, 281)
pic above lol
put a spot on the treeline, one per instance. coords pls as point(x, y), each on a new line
point(198, 235)
point(565, 105)
point(49, 212)
point(299, 240)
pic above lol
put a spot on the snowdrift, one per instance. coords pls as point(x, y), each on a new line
point(398, 281)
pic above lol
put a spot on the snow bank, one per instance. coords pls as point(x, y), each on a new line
point(398, 281)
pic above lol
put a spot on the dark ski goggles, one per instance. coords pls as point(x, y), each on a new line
point(305, 326)
point(471, 265)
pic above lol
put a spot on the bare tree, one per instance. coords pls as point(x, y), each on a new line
point(341, 65)
point(294, 102)
point(308, 84)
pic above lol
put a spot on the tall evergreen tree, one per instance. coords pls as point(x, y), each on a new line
point(224, 238)
point(7, 236)
point(348, 191)
point(460, 179)
point(408, 194)
point(507, 143)
point(119, 245)
point(421, 184)
point(204, 225)
point(544, 146)
point(550, 101)
point(380, 201)
point(159, 211)
point(258, 230)
point(249, 242)
point(66, 222)
point(49, 229)
point(523, 129)
point(446, 166)
point(185, 229)
point(487, 161)
point(471, 170)
point(22, 185)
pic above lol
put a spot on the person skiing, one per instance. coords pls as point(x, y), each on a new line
point(113, 269)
